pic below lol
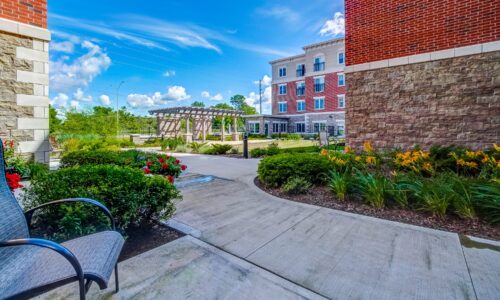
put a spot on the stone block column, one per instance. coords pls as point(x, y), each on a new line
point(235, 135)
point(24, 87)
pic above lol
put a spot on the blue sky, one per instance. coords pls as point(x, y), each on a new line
point(170, 53)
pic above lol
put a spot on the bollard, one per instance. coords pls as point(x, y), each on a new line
point(245, 145)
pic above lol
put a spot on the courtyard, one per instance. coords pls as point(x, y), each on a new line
point(242, 242)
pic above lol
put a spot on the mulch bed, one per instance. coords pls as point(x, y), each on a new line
point(321, 196)
point(142, 239)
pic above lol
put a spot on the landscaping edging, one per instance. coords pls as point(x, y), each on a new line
point(321, 196)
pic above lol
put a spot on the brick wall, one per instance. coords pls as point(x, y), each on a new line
point(383, 29)
point(32, 12)
point(330, 93)
point(450, 101)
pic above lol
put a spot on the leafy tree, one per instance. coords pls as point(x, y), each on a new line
point(54, 121)
point(239, 103)
point(198, 104)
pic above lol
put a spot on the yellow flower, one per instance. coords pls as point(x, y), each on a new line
point(496, 147)
point(471, 164)
point(461, 162)
point(367, 146)
point(324, 152)
point(357, 158)
point(428, 167)
point(370, 160)
point(347, 149)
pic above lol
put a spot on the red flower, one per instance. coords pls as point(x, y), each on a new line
point(13, 180)
point(168, 157)
point(161, 160)
point(165, 166)
point(147, 170)
point(149, 163)
point(177, 161)
point(183, 167)
point(170, 179)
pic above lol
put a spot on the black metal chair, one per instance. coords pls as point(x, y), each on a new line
point(30, 266)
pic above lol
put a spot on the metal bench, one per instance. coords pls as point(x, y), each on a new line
point(32, 266)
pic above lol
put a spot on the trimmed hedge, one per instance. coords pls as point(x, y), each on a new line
point(130, 158)
point(276, 170)
point(131, 197)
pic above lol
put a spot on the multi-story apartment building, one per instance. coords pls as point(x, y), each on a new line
point(308, 93)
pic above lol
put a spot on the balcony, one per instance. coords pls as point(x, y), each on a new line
point(319, 66)
point(319, 87)
point(301, 91)
point(301, 72)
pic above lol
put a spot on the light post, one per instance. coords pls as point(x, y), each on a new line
point(117, 114)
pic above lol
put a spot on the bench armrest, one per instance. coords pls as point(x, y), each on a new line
point(29, 214)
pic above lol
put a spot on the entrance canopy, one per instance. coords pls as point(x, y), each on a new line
point(169, 121)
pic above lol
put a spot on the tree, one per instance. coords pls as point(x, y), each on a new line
point(54, 121)
point(239, 102)
point(198, 104)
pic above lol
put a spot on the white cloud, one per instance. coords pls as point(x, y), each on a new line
point(281, 13)
point(174, 93)
point(79, 95)
point(59, 101)
point(266, 80)
point(169, 73)
point(105, 100)
point(66, 75)
point(216, 97)
point(253, 100)
point(334, 27)
point(75, 104)
point(65, 46)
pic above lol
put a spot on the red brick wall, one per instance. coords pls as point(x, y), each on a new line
point(33, 12)
point(383, 29)
point(331, 91)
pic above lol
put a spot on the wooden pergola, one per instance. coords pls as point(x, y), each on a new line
point(169, 122)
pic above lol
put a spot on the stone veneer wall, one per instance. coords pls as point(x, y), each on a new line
point(450, 101)
point(24, 80)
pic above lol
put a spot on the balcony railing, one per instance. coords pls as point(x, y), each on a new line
point(301, 72)
point(301, 91)
point(319, 67)
point(319, 87)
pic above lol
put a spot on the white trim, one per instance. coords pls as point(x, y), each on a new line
point(343, 76)
point(338, 101)
point(310, 114)
point(425, 57)
point(24, 29)
point(279, 71)
point(301, 101)
point(279, 89)
point(338, 57)
point(319, 98)
point(319, 77)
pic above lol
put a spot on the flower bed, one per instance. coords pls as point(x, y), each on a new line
point(445, 183)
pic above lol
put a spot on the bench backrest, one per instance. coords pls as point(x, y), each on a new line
point(12, 221)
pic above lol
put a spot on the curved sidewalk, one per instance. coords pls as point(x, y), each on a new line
point(335, 254)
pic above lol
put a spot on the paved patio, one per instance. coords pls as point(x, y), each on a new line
point(246, 244)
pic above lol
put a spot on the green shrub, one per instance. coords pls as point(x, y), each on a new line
point(131, 197)
point(486, 198)
point(96, 157)
point(196, 147)
point(433, 195)
point(234, 150)
point(171, 144)
point(339, 184)
point(275, 170)
point(293, 136)
point(373, 188)
point(399, 190)
point(296, 186)
point(463, 199)
point(273, 149)
point(258, 152)
point(37, 170)
point(254, 136)
point(305, 149)
point(218, 149)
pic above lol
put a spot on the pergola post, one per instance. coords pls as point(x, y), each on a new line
point(222, 133)
point(235, 136)
point(204, 129)
point(188, 136)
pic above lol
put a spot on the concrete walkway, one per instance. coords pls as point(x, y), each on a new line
point(335, 254)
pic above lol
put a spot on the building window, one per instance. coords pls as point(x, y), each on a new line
point(301, 70)
point(319, 126)
point(282, 72)
point(319, 103)
point(254, 127)
point(341, 80)
point(300, 127)
point(319, 64)
point(341, 58)
point(341, 101)
point(301, 105)
point(282, 89)
point(301, 89)
point(283, 127)
point(319, 84)
point(282, 107)
point(341, 130)
point(276, 127)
